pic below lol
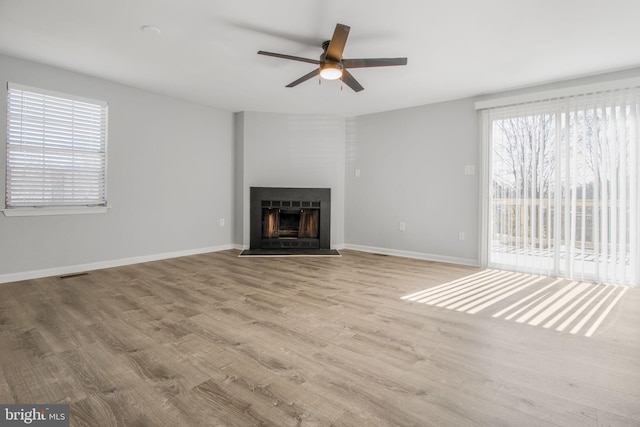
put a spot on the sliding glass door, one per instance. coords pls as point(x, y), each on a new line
point(563, 186)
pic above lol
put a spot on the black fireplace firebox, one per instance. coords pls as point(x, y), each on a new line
point(290, 219)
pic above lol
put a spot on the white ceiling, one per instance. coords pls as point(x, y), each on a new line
point(206, 51)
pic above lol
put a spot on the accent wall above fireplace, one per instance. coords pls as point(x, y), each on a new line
point(290, 219)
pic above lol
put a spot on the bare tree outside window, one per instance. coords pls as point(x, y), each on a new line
point(563, 176)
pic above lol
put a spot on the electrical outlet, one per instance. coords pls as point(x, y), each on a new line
point(461, 235)
point(469, 169)
point(402, 226)
point(357, 173)
point(221, 222)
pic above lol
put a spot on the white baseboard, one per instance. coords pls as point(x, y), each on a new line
point(416, 255)
point(79, 268)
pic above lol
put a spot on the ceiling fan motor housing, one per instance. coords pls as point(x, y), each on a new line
point(325, 45)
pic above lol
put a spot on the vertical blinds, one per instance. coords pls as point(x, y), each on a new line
point(56, 149)
point(564, 186)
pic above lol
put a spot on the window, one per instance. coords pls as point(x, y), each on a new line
point(56, 152)
point(562, 187)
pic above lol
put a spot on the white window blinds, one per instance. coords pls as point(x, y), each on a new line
point(56, 152)
point(563, 186)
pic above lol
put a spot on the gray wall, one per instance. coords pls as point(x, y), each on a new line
point(169, 181)
point(293, 150)
point(238, 179)
point(176, 168)
point(412, 170)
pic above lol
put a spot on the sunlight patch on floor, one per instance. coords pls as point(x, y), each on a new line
point(559, 304)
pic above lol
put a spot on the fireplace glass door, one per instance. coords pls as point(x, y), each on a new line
point(290, 223)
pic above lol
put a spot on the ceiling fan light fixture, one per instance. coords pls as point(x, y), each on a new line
point(331, 71)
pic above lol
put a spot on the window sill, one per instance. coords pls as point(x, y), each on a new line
point(54, 211)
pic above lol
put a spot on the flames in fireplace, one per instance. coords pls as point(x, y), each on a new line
point(290, 223)
point(290, 218)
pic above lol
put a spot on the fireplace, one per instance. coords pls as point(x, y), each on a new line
point(290, 219)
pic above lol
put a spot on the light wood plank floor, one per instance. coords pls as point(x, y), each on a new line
point(214, 339)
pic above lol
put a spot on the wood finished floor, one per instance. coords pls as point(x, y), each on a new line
point(214, 339)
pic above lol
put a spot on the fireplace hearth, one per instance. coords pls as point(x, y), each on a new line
point(290, 221)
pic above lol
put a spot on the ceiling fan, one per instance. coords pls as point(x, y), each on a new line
point(332, 65)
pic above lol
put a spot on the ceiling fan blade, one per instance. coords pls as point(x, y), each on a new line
point(373, 62)
point(277, 33)
point(304, 78)
point(293, 58)
point(338, 41)
point(349, 80)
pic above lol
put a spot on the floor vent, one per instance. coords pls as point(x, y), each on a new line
point(68, 276)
